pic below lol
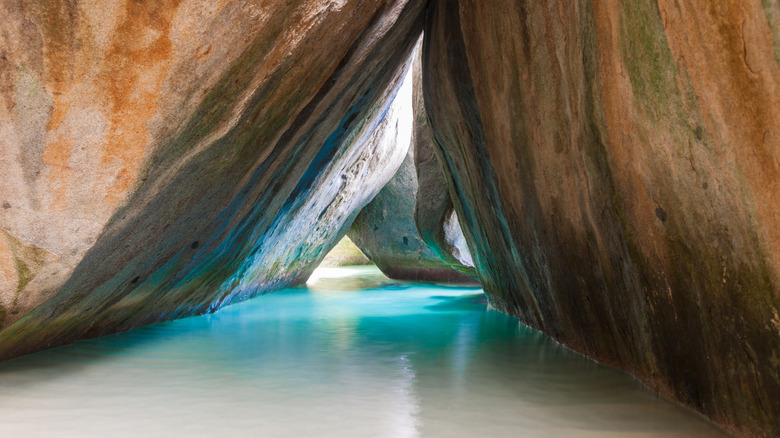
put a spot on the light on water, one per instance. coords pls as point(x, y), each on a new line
point(351, 355)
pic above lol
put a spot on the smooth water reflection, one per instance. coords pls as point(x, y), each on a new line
point(355, 355)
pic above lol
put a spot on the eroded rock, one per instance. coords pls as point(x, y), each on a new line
point(616, 167)
point(152, 150)
point(434, 213)
point(386, 230)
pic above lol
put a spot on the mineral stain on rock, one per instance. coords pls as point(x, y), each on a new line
point(660, 213)
point(561, 227)
point(149, 137)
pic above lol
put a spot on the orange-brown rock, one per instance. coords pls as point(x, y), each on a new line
point(163, 158)
point(615, 165)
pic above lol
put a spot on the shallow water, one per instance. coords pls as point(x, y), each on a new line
point(354, 355)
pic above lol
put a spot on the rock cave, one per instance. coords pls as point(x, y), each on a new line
point(606, 171)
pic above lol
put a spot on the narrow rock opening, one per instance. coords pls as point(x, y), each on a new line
point(409, 230)
point(345, 253)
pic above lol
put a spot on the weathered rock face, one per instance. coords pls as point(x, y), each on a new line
point(434, 213)
point(161, 159)
point(616, 167)
point(324, 203)
point(385, 230)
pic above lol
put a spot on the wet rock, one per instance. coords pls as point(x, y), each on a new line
point(577, 140)
point(167, 158)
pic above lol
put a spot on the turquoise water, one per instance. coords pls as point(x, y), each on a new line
point(354, 355)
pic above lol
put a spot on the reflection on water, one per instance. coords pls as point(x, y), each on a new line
point(372, 358)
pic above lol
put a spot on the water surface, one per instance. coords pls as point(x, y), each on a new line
point(352, 355)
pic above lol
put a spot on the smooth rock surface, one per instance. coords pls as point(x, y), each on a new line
point(434, 214)
point(388, 230)
point(161, 159)
point(385, 230)
point(616, 167)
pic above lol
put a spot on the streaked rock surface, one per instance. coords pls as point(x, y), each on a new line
point(161, 159)
point(434, 214)
point(386, 233)
point(616, 167)
point(389, 230)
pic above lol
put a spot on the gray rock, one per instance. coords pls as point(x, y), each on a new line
point(434, 215)
point(385, 231)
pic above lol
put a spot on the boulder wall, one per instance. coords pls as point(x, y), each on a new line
point(162, 159)
point(387, 230)
point(434, 214)
point(616, 169)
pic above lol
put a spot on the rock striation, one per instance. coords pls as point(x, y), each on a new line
point(616, 169)
point(614, 166)
point(434, 213)
point(162, 159)
point(410, 230)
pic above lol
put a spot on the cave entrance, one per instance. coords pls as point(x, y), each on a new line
point(345, 253)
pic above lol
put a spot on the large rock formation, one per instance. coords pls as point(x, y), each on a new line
point(385, 231)
point(616, 168)
point(434, 214)
point(410, 230)
point(161, 159)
